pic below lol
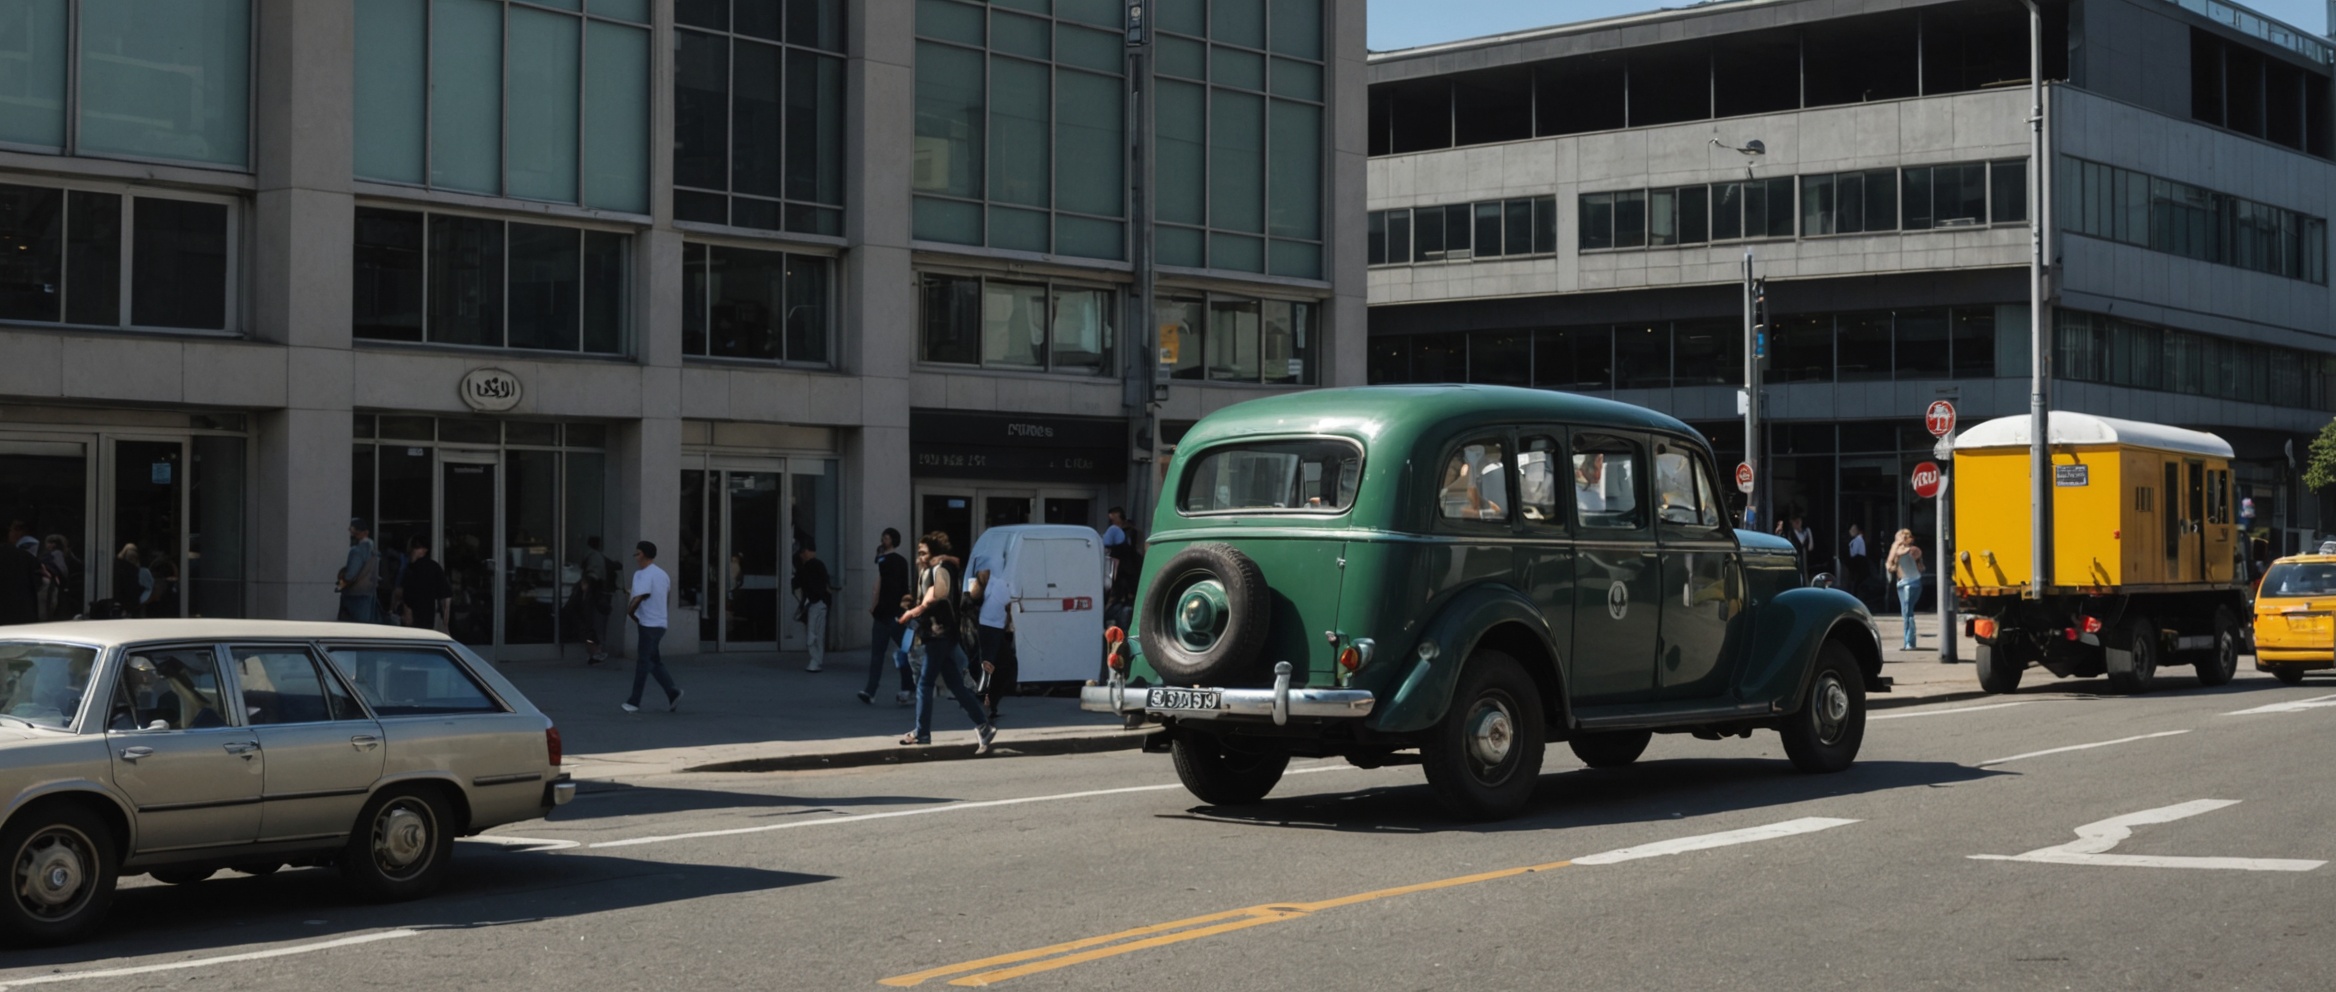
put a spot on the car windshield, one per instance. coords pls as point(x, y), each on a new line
point(2300, 579)
point(44, 682)
point(1315, 476)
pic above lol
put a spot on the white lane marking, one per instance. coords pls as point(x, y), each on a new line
point(2079, 747)
point(148, 969)
point(923, 810)
point(2292, 706)
point(2094, 841)
point(1964, 709)
point(1703, 842)
point(524, 845)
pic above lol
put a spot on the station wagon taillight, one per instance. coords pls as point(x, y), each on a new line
point(551, 743)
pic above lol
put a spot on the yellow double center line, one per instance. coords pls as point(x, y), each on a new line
point(1004, 967)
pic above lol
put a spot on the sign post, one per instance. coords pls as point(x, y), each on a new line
point(1744, 478)
point(1939, 419)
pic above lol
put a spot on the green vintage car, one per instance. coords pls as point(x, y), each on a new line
point(1467, 572)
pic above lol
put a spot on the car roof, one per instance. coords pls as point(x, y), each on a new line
point(2306, 560)
point(111, 632)
point(1370, 411)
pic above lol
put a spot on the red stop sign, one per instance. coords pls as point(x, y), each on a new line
point(1939, 418)
point(1744, 476)
point(1926, 479)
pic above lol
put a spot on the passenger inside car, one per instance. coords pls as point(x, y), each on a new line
point(178, 690)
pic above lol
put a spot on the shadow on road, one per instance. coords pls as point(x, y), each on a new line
point(1647, 792)
point(485, 887)
point(601, 800)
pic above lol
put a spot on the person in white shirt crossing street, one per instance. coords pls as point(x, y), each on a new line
point(650, 588)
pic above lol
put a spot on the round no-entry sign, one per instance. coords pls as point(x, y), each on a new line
point(1926, 479)
point(1940, 418)
point(1744, 477)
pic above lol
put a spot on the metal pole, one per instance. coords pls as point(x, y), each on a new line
point(1145, 388)
point(1752, 516)
point(2039, 354)
point(1943, 573)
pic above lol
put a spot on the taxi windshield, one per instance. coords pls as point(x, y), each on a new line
point(2300, 579)
point(42, 683)
point(1309, 476)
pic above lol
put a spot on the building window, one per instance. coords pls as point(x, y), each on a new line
point(758, 104)
point(1239, 154)
point(149, 79)
point(506, 99)
point(1017, 324)
point(1458, 232)
point(1223, 338)
point(1849, 202)
point(454, 279)
point(82, 252)
point(2122, 205)
point(765, 305)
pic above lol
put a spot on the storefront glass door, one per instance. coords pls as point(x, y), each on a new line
point(742, 522)
point(45, 484)
point(467, 541)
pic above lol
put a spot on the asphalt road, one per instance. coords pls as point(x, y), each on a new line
point(1706, 866)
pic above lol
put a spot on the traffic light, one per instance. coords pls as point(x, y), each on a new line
point(1760, 318)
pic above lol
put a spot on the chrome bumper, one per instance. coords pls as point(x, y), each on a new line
point(1279, 703)
point(559, 791)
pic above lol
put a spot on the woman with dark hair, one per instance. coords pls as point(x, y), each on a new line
point(939, 626)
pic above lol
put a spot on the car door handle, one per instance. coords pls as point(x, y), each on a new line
point(135, 753)
point(244, 748)
point(364, 742)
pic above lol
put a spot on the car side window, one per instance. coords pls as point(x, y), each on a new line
point(399, 681)
point(1537, 472)
point(1606, 484)
point(168, 689)
point(1475, 483)
point(284, 685)
point(1685, 500)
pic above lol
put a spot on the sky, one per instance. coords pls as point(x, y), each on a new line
point(1409, 23)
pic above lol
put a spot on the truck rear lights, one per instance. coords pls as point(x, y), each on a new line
point(2070, 633)
point(1983, 628)
point(2092, 625)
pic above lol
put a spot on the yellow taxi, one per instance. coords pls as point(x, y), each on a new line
point(2295, 617)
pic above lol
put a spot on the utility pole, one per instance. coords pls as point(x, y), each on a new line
point(1146, 389)
point(1756, 508)
point(2039, 350)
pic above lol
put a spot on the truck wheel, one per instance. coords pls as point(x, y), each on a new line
point(1484, 759)
point(1220, 776)
point(1203, 618)
point(2141, 638)
point(1611, 750)
point(2220, 662)
point(1824, 736)
point(2000, 665)
point(61, 874)
point(2286, 674)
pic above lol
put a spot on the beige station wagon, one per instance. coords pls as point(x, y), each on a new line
point(180, 747)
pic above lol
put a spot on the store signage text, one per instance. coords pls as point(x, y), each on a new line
point(490, 390)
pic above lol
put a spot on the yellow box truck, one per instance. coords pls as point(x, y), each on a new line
point(2142, 542)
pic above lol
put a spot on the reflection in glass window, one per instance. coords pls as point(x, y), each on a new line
point(1605, 485)
point(2300, 579)
point(282, 685)
point(1476, 483)
point(1308, 476)
point(1684, 496)
point(1013, 324)
point(43, 683)
point(71, 246)
point(451, 279)
point(1537, 481)
point(745, 303)
point(412, 681)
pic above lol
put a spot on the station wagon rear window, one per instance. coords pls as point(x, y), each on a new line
point(1309, 476)
point(412, 681)
point(42, 683)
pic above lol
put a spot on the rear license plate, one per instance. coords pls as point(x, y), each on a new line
point(1183, 699)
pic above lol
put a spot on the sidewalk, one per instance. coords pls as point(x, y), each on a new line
point(763, 712)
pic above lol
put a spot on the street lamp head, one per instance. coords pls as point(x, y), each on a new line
point(1752, 147)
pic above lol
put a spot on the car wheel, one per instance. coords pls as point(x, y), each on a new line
point(1221, 776)
point(1204, 616)
point(181, 876)
point(2286, 674)
point(2000, 665)
point(61, 874)
point(1484, 759)
point(2219, 663)
point(1825, 735)
point(1611, 750)
point(400, 847)
point(2141, 638)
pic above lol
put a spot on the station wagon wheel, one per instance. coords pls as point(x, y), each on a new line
point(400, 846)
point(2141, 638)
point(61, 874)
point(2219, 663)
point(1484, 759)
point(1831, 725)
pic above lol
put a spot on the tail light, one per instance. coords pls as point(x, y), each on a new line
point(2069, 632)
point(1114, 636)
point(1983, 628)
point(2092, 625)
point(1115, 657)
point(1351, 658)
point(551, 743)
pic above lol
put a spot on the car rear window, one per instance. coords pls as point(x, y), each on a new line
point(2300, 579)
point(1311, 476)
point(412, 681)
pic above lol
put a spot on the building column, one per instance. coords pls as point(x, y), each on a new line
point(1347, 349)
point(646, 461)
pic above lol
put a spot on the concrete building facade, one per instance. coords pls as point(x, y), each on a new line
point(526, 281)
point(1887, 215)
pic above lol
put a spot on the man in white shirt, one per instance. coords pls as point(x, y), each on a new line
point(989, 580)
point(650, 588)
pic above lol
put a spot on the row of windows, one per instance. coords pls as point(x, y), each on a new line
point(2099, 348)
point(452, 279)
point(1460, 231)
point(1914, 198)
point(748, 303)
point(81, 252)
point(2191, 221)
point(1608, 488)
point(1915, 344)
point(145, 79)
point(1066, 327)
point(758, 102)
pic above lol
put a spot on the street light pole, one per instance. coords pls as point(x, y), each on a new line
point(1145, 389)
point(2039, 353)
point(1753, 518)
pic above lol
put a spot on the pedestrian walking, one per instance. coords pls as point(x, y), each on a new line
point(357, 579)
point(20, 580)
point(990, 584)
point(938, 625)
point(596, 585)
point(888, 600)
point(812, 594)
point(64, 570)
point(647, 610)
point(1857, 563)
point(423, 590)
point(1905, 567)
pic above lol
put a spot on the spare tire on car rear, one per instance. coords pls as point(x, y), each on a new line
point(1203, 619)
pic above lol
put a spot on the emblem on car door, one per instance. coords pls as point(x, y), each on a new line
point(1617, 600)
